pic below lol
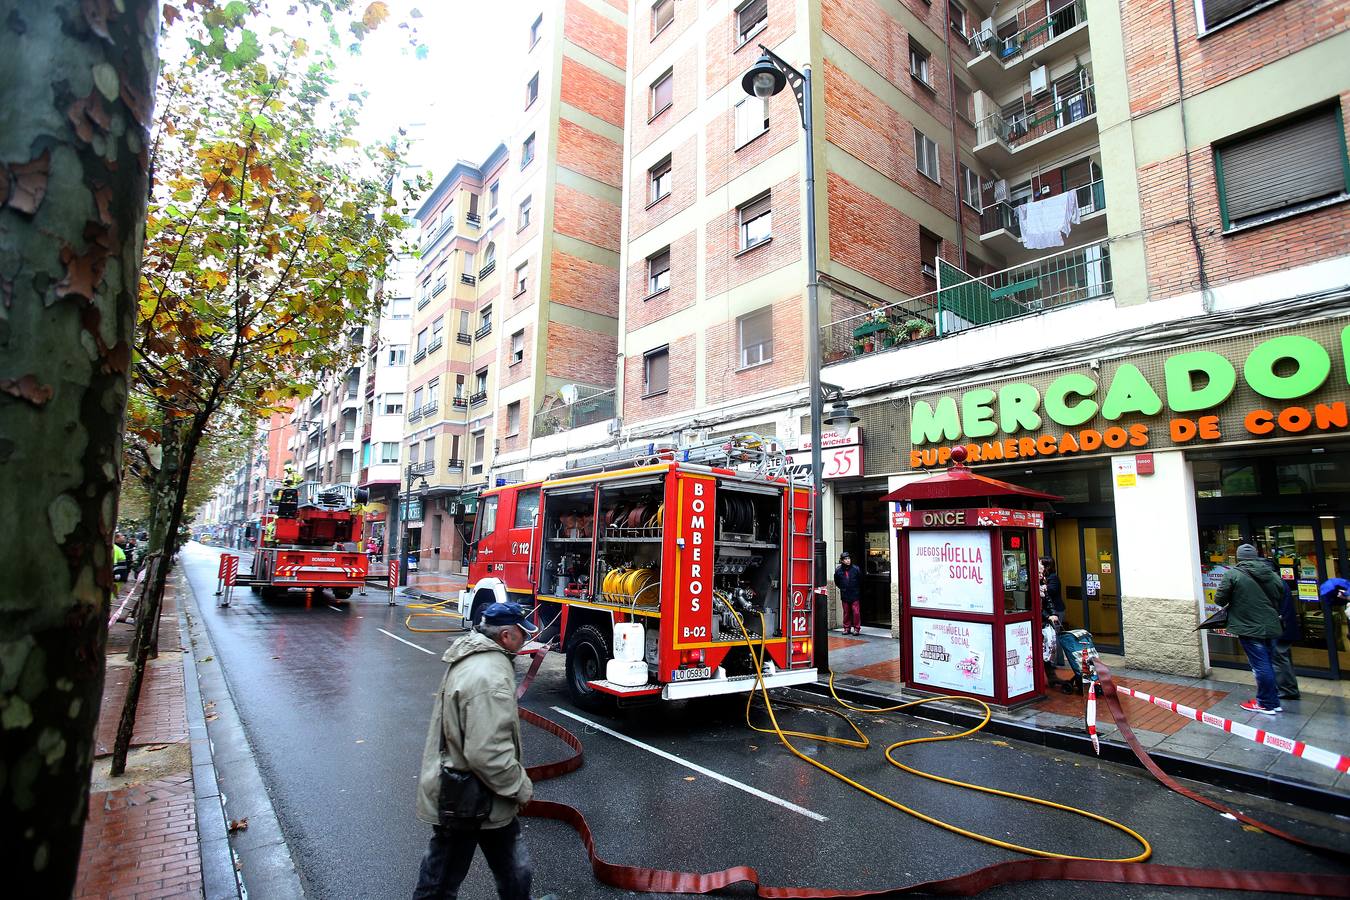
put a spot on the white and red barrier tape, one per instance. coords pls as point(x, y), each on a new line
point(1317, 755)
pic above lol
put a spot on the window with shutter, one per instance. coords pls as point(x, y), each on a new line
point(750, 19)
point(752, 119)
point(658, 272)
point(659, 178)
point(1214, 13)
point(663, 93)
point(1282, 170)
point(655, 371)
point(756, 337)
point(663, 13)
point(756, 221)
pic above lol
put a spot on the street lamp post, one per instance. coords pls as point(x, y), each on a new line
point(766, 78)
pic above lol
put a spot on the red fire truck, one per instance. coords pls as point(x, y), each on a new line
point(310, 540)
point(651, 568)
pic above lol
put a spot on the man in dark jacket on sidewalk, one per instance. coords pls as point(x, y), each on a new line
point(848, 578)
point(475, 728)
point(1252, 594)
point(1283, 660)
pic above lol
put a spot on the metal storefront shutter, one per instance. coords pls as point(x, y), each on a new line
point(1293, 163)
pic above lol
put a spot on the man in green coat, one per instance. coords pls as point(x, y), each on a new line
point(475, 728)
point(1252, 594)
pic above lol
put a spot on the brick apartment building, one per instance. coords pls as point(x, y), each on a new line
point(520, 262)
point(1056, 200)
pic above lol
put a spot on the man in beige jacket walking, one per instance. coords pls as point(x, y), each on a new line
point(475, 728)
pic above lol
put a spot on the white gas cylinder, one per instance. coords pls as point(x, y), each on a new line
point(629, 641)
point(626, 672)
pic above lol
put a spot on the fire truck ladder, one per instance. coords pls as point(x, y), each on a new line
point(808, 607)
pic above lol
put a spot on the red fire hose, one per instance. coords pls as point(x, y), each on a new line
point(651, 880)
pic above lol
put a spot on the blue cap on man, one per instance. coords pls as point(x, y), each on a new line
point(508, 613)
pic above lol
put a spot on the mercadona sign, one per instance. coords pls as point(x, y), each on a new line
point(1248, 388)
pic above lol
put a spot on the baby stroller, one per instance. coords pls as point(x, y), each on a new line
point(1073, 643)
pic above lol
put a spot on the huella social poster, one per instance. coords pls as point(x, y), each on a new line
point(951, 570)
point(953, 655)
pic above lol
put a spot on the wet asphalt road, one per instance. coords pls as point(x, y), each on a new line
point(336, 711)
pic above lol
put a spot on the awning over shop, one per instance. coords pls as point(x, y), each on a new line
point(959, 481)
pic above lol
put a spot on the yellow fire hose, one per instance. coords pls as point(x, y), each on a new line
point(862, 742)
point(431, 611)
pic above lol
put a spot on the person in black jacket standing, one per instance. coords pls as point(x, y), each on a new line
point(848, 578)
point(1052, 614)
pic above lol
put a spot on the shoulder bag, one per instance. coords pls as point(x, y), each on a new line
point(464, 802)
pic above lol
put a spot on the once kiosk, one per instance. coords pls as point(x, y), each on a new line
point(970, 600)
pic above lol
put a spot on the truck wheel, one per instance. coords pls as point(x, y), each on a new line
point(270, 594)
point(481, 601)
point(587, 652)
point(255, 588)
point(342, 593)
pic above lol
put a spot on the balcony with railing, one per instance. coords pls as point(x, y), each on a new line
point(1001, 228)
point(961, 302)
point(459, 402)
point(487, 269)
point(436, 344)
point(477, 399)
point(419, 355)
point(421, 468)
point(414, 415)
point(1001, 62)
point(454, 465)
point(464, 338)
point(474, 219)
point(483, 331)
point(430, 409)
point(583, 411)
point(1046, 126)
point(467, 278)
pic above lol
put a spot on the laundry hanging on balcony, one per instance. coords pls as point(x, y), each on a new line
point(1045, 223)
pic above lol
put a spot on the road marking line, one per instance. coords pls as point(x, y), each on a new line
point(717, 776)
point(402, 641)
point(335, 608)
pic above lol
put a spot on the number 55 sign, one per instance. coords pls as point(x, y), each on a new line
point(835, 462)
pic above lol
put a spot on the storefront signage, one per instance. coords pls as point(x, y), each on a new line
point(1020, 659)
point(951, 570)
point(694, 576)
point(951, 518)
point(1143, 463)
point(953, 655)
point(1256, 388)
point(841, 454)
point(1125, 472)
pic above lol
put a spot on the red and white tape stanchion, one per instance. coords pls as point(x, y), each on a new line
point(229, 572)
point(393, 579)
point(1312, 754)
point(1091, 714)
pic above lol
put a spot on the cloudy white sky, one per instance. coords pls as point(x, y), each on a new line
point(464, 94)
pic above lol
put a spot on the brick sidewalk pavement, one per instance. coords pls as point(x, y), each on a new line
point(141, 837)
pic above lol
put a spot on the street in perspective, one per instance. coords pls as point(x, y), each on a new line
point(614, 448)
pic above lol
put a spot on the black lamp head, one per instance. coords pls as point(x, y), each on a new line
point(763, 79)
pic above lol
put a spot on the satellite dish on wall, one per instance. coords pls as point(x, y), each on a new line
point(568, 393)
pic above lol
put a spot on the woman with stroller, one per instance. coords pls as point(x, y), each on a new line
point(1052, 615)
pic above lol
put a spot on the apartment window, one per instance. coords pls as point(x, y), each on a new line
point(518, 347)
point(536, 30)
point(454, 447)
point(919, 60)
point(479, 446)
point(480, 381)
point(655, 371)
point(434, 391)
point(527, 152)
point(398, 354)
point(532, 90)
point(658, 272)
point(755, 337)
point(956, 17)
point(658, 176)
point(964, 100)
point(522, 278)
point(662, 93)
point(421, 342)
point(930, 248)
point(513, 419)
point(388, 452)
point(400, 308)
point(492, 199)
point(463, 321)
point(523, 220)
point(1214, 14)
point(663, 13)
point(417, 399)
point(393, 404)
point(750, 19)
point(926, 155)
point(429, 450)
point(1285, 169)
point(971, 186)
point(437, 327)
point(414, 453)
point(752, 119)
point(490, 254)
point(755, 219)
point(485, 318)
point(459, 388)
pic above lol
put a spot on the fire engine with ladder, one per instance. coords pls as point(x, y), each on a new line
point(310, 540)
point(653, 569)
